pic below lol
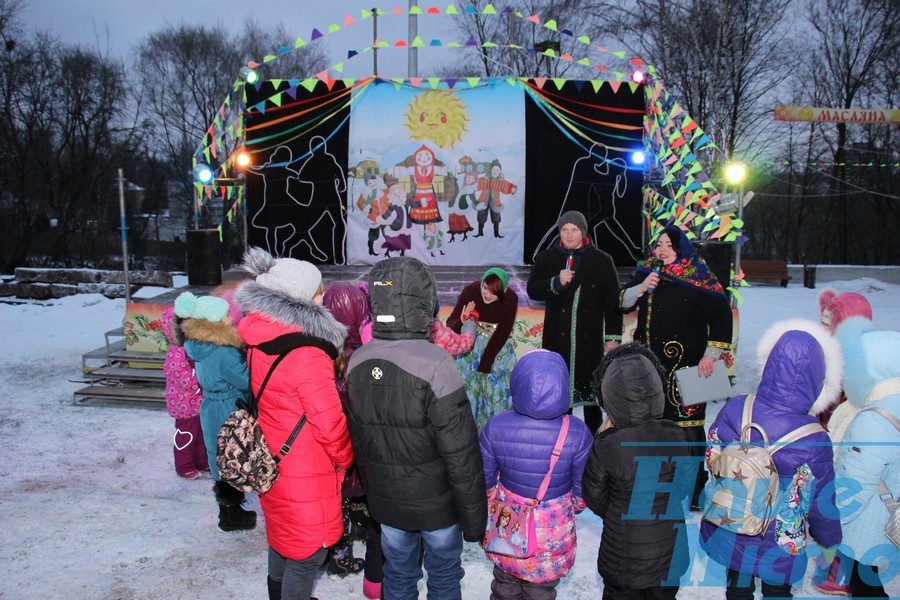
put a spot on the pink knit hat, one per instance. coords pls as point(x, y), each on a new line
point(835, 307)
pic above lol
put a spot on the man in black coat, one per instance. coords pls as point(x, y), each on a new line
point(414, 436)
point(579, 285)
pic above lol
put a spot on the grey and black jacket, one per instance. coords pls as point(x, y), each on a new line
point(412, 429)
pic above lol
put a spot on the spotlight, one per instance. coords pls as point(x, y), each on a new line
point(638, 76)
point(732, 202)
point(735, 173)
point(242, 159)
point(249, 75)
point(204, 173)
point(637, 157)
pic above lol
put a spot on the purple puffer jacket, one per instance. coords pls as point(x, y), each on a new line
point(516, 446)
point(792, 379)
point(183, 393)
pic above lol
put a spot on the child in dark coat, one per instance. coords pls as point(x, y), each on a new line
point(629, 471)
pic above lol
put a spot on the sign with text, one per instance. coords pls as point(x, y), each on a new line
point(863, 116)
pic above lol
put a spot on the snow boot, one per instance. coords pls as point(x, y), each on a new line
point(274, 588)
point(341, 561)
point(232, 516)
point(832, 580)
point(359, 519)
point(371, 589)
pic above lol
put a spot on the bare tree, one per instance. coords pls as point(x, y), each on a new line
point(61, 129)
point(531, 41)
point(257, 42)
point(721, 60)
point(186, 73)
point(854, 44)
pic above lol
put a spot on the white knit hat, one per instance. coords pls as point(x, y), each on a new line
point(295, 278)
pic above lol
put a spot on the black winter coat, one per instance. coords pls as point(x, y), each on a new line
point(597, 316)
point(623, 476)
point(411, 425)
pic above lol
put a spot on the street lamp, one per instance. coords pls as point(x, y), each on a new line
point(735, 174)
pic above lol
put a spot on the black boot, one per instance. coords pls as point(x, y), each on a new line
point(274, 588)
point(232, 517)
point(480, 230)
point(497, 231)
point(341, 561)
point(359, 519)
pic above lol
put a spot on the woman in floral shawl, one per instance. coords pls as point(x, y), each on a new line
point(685, 318)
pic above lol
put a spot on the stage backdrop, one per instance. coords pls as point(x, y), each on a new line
point(438, 174)
point(476, 174)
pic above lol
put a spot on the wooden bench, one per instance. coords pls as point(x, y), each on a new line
point(766, 269)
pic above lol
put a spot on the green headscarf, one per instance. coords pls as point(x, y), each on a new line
point(504, 278)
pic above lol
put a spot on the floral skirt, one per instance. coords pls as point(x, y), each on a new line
point(488, 394)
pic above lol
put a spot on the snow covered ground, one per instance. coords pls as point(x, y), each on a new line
point(90, 506)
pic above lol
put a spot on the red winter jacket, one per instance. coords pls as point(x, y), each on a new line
point(303, 507)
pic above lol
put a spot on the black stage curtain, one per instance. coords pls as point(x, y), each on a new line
point(296, 209)
point(562, 176)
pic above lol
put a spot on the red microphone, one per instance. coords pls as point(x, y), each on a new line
point(570, 262)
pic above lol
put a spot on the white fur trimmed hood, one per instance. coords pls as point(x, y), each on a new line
point(313, 319)
point(831, 385)
point(872, 370)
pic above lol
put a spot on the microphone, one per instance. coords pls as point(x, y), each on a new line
point(570, 262)
point(656, 266)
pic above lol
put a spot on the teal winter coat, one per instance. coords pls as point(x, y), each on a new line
point(221, 368)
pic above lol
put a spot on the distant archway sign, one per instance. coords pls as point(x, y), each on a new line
point(863, 116)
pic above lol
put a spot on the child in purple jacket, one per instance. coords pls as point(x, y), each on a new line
point(516, 446)
point(183, 398)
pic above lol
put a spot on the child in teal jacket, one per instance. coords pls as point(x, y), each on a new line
point(217, 350)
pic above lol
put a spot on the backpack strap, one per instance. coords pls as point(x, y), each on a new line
point(793, 436)
point(284, 345)
point(883, 492)
point(554, 457)
point(747, 421)
point(886, 414)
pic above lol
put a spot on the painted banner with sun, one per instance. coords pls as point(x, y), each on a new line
point(437, 174)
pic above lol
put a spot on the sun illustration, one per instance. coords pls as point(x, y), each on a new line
point(437, 116)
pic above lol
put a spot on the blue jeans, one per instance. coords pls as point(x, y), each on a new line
point(443, 563)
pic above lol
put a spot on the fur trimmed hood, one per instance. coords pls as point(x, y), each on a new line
point(313, 319)
point(216, 333)
point(872, 371)
point(790, 362)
